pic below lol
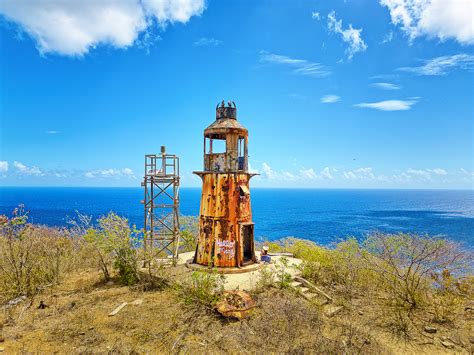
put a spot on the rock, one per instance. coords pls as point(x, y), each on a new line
point(430, 330)
point(471, 339)
point(137, 302)
point(331, 311)
point(109, 283)
point(360, 313)
point(447, 344)
point(2, 339)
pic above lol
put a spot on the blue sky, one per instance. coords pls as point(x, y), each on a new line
point(356, 94)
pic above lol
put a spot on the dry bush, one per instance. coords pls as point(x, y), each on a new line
point(408, 278)
point(449, 295)
point(115, 246)
point(403, 263)
point(285, 324)
point(31, 257)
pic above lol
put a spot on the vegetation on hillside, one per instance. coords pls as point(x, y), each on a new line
point(403, 285)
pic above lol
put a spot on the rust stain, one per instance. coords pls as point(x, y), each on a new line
point(225, 223)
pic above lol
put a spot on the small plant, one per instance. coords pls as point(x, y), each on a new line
point(283, 277)
point(266, 278)
point(204, 288)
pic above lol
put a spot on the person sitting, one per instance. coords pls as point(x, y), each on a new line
point(264, 257)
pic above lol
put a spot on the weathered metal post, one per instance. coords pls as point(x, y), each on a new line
point(226, 230)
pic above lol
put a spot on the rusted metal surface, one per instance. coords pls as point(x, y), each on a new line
point(225, 223)
point(236, 304)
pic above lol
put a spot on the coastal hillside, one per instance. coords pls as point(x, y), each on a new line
point(84, 289)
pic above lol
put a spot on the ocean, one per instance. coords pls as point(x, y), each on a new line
point(322, 215)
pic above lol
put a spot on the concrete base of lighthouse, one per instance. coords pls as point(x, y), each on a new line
point(224, 270)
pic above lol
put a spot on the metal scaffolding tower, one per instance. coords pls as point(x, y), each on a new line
point(161, 227)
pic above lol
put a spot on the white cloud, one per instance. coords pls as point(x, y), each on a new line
point(300, 66)
point(127, 171)
point(315, 16)
point(309, 174)
point(252, 170)
point(425, 174)
point(442, 19)
point(421, 174)
point(74, 27)
point(439, 171)
point(207, 42)
point(3, 166)
point(351, 36)
point(174, 10)
point(51, 132)
point(388, 37)
point(359, 174)
point(110, 173)
point(386, 86)
point(268, 172)
point(389, 105)
point(288, 176)
point(326, 173)
point(464, 171)
point(330, 99)
point(443, 65)
point(25, 170)
point(303, 174)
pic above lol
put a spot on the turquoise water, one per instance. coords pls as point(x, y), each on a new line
point(321, 215)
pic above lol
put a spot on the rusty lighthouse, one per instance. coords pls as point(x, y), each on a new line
point(226, 230)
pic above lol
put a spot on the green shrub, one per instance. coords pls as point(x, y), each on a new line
point(204, 288)
point(282, 276)
point(189, 233)
point(115, 246)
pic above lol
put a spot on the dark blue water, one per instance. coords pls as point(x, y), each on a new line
point(321, 215)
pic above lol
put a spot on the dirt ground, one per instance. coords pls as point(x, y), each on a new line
point(76, 319)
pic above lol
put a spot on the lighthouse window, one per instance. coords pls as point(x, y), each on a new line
point(218, 146)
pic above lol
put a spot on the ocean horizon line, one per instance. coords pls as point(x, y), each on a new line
point(254, 187)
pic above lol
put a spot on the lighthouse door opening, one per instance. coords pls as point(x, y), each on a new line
point(246, 230)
